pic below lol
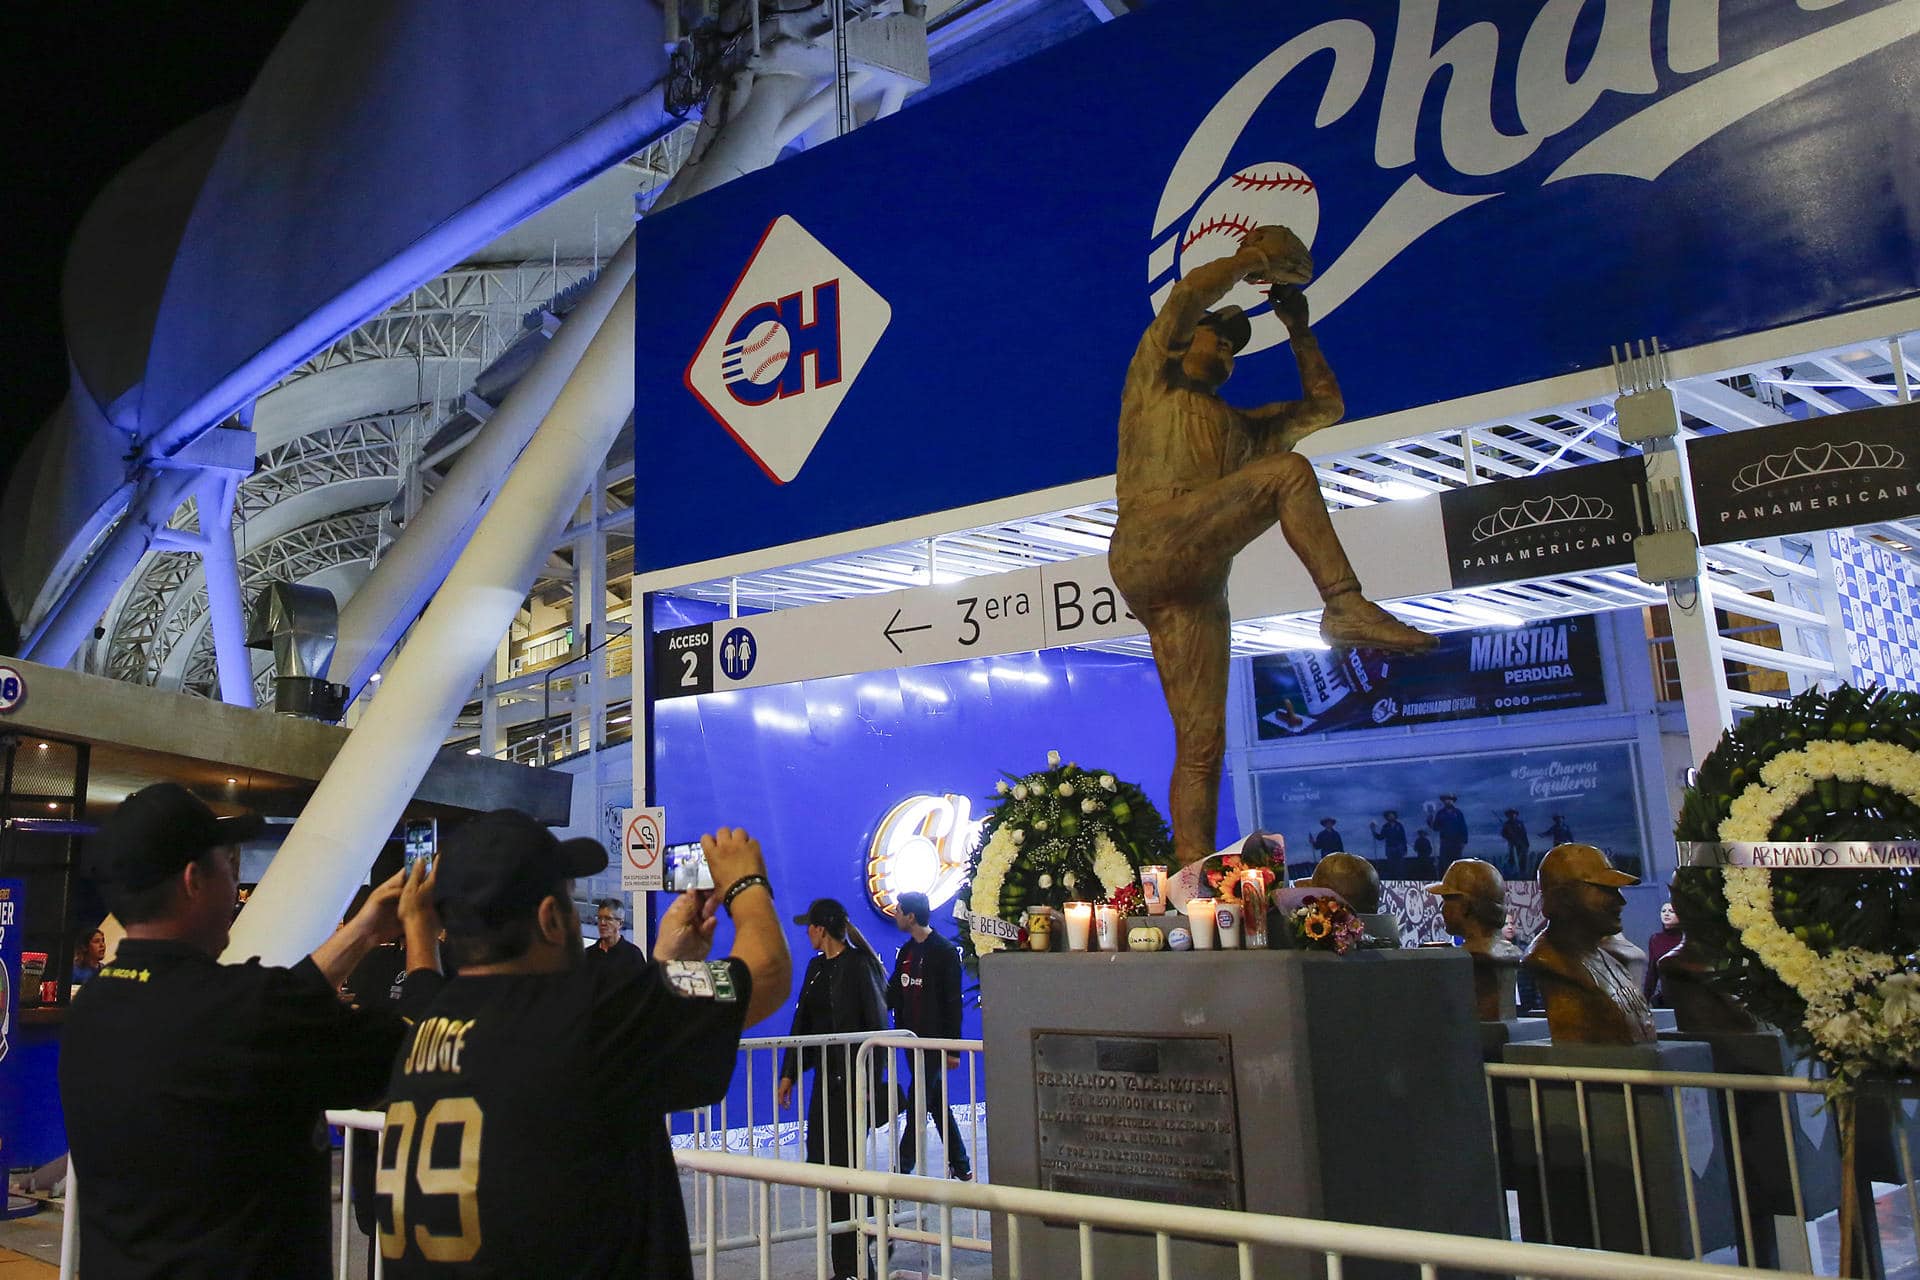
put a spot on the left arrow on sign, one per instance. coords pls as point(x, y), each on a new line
point(892, 629)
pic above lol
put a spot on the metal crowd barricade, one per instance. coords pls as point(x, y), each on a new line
point(349, 1123)
point(909, 1225)
point(1771, 1159)
point(728, 1217)
point(1333, 1242)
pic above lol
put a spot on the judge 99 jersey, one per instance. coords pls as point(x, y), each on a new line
point(525, 1132)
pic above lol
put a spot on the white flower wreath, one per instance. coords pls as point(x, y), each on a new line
point(1832, 985)
point(1110, 868)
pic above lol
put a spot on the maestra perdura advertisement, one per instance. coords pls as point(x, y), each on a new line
point(1542, 526)
point(1828, 473)
point(939, 309)
point(1543, 666)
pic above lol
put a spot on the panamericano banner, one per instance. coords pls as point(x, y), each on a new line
point(938, 310)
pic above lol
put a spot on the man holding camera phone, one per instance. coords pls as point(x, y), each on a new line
point(526, 1128)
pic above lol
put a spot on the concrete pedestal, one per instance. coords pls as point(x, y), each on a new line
point(1357, 1083)
point(1604, 1210)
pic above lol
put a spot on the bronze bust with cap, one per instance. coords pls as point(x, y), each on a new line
point(1592, 997)
point(1358, 884)
point(1473, 904)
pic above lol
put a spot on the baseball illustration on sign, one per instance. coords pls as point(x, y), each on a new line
point(785, 348)
point(1257, 196)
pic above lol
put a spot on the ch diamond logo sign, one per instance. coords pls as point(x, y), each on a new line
point(785, 348)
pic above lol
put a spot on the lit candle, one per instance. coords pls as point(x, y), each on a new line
point(1079, 917)
point(1107, 918)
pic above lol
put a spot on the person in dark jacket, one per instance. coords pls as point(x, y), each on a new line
point(1514, 832)
point(924, 994)
point(1450, 828)
point(194, 1088)
point(842, 991)
point(1658, 946)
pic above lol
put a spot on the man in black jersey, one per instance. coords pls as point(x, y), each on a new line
point(194, 1089)
point(924, 995)
point(525, 1123)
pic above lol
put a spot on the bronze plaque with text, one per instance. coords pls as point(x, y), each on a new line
point(1142, 1117)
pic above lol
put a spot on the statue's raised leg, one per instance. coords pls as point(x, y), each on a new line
point(1191, 649)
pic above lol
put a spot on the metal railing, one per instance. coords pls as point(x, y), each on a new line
point(349, 1123)
point(1687, 1164)
point(1333, 1242)
point(1609, 1172)
point(725, 1217)
point(883, 1221)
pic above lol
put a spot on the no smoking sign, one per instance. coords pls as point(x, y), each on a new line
point(642, 843)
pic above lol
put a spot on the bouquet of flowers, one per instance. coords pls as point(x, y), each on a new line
point(1056, 835)
point(1324, 923)
point(1129, 899)
point(1223, 871)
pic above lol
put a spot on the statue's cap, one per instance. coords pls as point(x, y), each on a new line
point(1232, 324)
point(1581, 863)
point(1472, 878)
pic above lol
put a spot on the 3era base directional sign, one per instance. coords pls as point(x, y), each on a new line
point(1396, 547)
point(643, 843)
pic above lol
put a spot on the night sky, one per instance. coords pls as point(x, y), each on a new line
point(94, 85)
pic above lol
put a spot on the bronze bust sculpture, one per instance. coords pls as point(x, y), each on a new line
point(1354, 879)
point(1473, 904)
point(1199, 479)
point(1699, 1007)
point(1591, 996)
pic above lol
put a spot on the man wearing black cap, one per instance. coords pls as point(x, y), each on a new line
point(193, 1089)
point(526, 1129)
point(924, 994)
point(843, 990)
point(1199, 479)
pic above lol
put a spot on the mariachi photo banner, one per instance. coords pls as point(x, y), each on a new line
point(1587, 792)
point(939, 309)
point(1498, 671)
point(1826, 473)
point(1557, 522)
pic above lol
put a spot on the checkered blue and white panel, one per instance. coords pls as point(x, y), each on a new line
point(1879, 594)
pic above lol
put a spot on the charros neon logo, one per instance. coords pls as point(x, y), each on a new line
point(785, 348)
point(922, 845)
point(1203, 210)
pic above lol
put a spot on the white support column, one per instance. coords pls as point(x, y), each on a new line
point(70, 622)
point(364, 792)
point(492, 740)
point(411, 570)
point(226, 610)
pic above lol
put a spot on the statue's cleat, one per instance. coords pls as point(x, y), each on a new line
point(1351, 621)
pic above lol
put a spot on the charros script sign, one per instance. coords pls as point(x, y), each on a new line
point(1495, 194)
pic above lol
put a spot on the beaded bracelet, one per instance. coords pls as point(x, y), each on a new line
point(740, 886)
